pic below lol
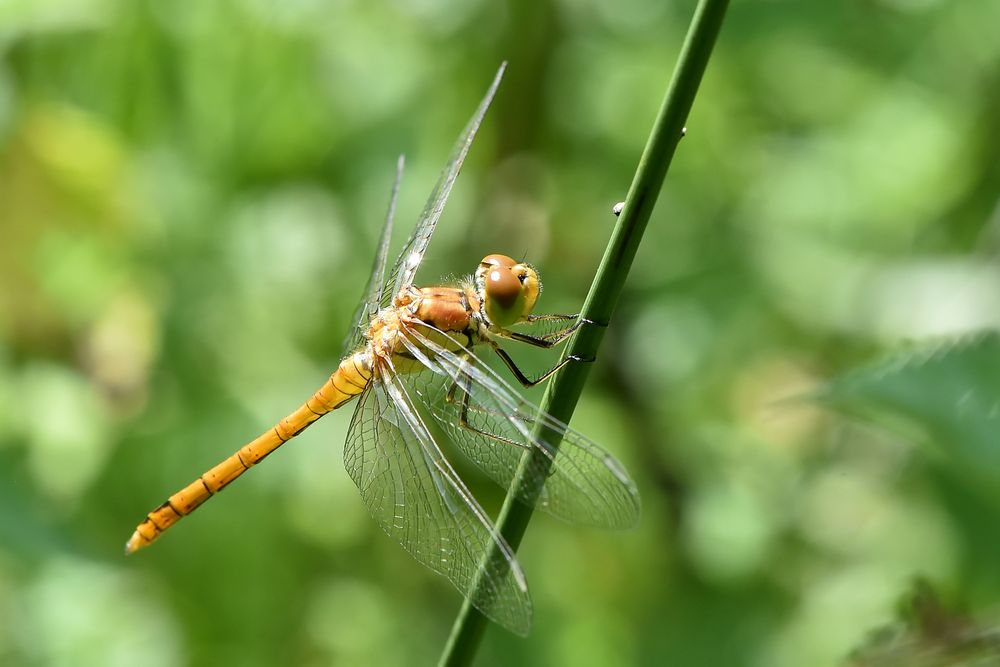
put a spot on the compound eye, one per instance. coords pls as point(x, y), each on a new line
point(504, 297)
point(503, 288)
point(497, 260)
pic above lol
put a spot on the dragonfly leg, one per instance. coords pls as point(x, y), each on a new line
point(545, 342)
point(524, 379)
point(596, 323)
point(551, 339)
point(553, 317)
point(465, 408)
point(463, 421)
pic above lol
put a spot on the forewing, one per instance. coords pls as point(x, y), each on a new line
point(576, 481)
point(413, 252)
point(417, 498)
point(372, 295)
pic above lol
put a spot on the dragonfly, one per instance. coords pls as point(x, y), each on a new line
point(410, 362)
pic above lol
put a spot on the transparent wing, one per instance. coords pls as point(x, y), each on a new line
point(373, 290)
point(494, 427)
point(418, 499)
point(413, 252)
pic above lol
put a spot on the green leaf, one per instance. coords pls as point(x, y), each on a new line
point(946, 394)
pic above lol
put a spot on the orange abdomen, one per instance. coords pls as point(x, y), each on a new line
point(349, 380)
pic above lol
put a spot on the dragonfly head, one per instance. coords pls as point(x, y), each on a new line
point(507, 289)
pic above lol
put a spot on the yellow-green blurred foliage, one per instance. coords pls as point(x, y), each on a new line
point(190, 194)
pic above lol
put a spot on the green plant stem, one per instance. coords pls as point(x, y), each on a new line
point(564, 391)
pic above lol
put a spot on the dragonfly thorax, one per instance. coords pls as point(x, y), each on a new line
point(507, 289)
point(383, 334)
point(446, 315)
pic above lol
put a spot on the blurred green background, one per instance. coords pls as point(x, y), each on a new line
point(190, 194)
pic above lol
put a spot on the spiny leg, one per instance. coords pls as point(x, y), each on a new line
point(559, 334)
point(524, 379)
point(552, 317)
point(465, 424)
point(544, 343)
point(466, 407)
point(551, 339)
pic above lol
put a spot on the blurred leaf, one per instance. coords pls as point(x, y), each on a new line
point(948, 393)
point(929, 634)
point(25, 528)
